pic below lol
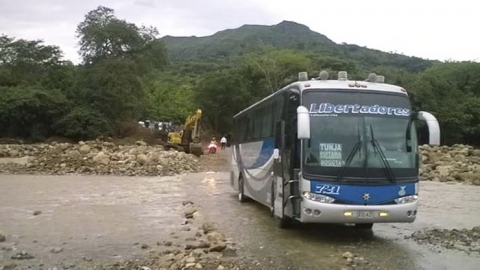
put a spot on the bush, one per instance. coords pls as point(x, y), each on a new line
point(29, 112)
point(83, 123)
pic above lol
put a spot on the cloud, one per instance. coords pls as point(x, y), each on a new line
point(430, 29)
point(55, 21)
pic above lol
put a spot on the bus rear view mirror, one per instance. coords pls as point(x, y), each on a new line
point(433, 127)
point(303, 123)
point(276, 153)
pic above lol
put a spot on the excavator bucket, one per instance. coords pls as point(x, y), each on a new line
point(196, 149)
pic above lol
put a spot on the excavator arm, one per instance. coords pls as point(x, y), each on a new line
point(189, 140)
point(191, 129)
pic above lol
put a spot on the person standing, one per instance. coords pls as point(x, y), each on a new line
point(223, 141)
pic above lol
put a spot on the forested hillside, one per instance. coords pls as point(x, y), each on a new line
point(128, 73)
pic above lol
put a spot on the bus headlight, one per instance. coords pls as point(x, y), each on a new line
point(407, 199)
point(317, 197)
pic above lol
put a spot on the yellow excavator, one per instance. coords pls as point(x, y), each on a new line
point(188, 139)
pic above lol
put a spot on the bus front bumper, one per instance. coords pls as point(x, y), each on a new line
point(315, 212)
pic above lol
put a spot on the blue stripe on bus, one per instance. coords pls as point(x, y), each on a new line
point(355, 194)
point(265, 154)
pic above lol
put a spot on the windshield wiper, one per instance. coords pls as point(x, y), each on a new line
point(377, 148)
point(348, 161)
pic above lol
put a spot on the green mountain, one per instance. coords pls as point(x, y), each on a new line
point(287, 34)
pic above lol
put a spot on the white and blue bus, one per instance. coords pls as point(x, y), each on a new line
point(331, 151)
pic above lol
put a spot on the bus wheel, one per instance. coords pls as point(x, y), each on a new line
point(365, 226)
point(241, 194)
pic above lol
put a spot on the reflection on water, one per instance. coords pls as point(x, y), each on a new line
point(210, 182)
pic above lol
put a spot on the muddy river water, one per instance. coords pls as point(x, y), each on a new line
point(320, 247)
point(105, 217)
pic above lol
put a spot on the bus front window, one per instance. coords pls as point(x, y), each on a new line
point(369, 145)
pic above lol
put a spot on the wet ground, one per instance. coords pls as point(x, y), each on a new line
point(307, 247)
point(85, 218)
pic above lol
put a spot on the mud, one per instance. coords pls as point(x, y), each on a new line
point(70, 222)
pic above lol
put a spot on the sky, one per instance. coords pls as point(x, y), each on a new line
point(431, 29)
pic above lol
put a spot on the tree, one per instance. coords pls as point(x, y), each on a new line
point(103, 36)
point(117, 55)
point(29, 62)
point(334, 64)
point(221, 94)
point(277, 66)
point(111, 87)
point(451, 92)
point(168, 97)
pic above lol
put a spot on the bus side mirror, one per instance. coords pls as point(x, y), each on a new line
point(432, 124)
point(303, 123)
point(276, 154)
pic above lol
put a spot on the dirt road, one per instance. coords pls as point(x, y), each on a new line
point(75, 222)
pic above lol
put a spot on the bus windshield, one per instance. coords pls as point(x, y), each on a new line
point(360, 136)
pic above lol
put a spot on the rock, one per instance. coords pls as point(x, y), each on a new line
point(141, 143)
point(197, 215)
point(347, 255)
point(450, 163)
point(197, 253)
point(101, 159)
point(203, 244)
point(218, 247)
point(13, 153)
point(96, 157)
point(9, 266)
point(466, 240)
point(189, 211)
point(215, 236)
point(190, 246)
point(142, 159)
point(209, 227)
point(22, 256)
point(56, 250)
point(184, 203)
point(190, 259)
point(84, 149)
point(190, 265)
point(229, 251)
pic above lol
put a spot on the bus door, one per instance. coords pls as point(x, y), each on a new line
point(286, 189)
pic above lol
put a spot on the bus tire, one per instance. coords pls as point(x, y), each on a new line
point(241, 192)
point(364, 226)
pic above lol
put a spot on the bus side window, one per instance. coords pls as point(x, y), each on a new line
point(296, 153)
point(247, 128)
point(293, 103)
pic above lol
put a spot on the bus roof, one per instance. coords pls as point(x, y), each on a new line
point(361, 86)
